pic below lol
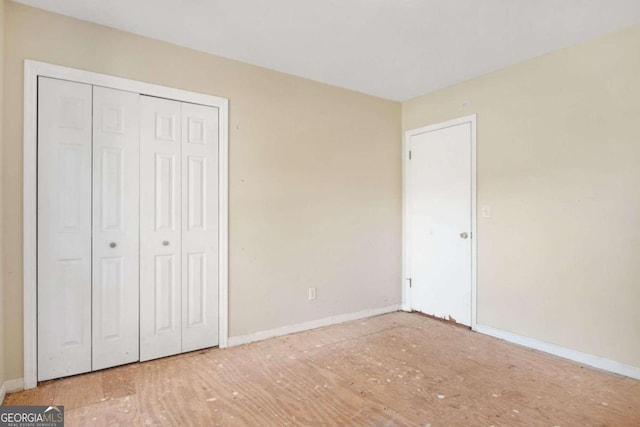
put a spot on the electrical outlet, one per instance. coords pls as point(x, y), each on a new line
point(312, 294)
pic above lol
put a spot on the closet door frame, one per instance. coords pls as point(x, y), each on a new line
point(35, 69)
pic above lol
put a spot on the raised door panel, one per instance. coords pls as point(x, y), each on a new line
point(165, 206)
point(160, 228)
point(199, 227)
point(116, 146)
point(165, 285)
point(64, 228)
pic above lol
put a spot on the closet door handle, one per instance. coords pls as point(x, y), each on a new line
point(165, 243)
point(112, 245)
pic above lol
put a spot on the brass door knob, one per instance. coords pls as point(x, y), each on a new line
point(464, 235)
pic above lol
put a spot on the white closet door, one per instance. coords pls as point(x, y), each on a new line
point(199, 227)
point(116, 134)
point(64, 228)
point(160, 228)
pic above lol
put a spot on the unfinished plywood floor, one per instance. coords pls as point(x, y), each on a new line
point(395, 369)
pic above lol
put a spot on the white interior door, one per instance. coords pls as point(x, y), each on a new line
point(160, 228)
point(440, 222)
point(127, 227)
point(116, 133)
point(64, 228)
point(199, 227)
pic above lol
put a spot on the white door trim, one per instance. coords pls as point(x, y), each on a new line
point(406, 223)
point(33, 69)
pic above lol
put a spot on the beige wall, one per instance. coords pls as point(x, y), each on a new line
point(558, 162)
point(315, 181)
point(2, 323)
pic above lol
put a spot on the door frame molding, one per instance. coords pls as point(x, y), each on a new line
point(35, 69)
point(406, 211)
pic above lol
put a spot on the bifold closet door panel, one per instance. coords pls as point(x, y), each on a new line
point(64, 228)
point(116, 134)
point(199, 227)
point(160, 228)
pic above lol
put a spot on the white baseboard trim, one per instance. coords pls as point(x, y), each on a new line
point(10, 386)
point(312, 324)
point(576, 356)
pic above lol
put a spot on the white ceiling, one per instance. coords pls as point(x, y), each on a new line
point(395, 49)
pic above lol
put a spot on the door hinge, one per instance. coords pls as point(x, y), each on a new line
point(409, 279)
point(409, 154)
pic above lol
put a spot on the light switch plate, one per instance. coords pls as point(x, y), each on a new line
point(486, 211)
